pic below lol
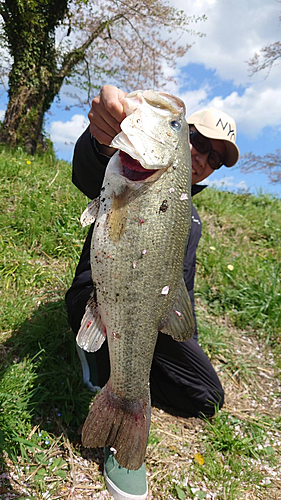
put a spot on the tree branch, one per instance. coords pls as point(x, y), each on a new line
point(270, 164)
point(269, 56)
point(77, 54)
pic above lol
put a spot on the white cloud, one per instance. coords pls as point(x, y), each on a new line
point(255, 109)
point(252, 110)
point(226, 182)
point(195, 99)
point(2, 114)
point(234, 32)
point(67, 133)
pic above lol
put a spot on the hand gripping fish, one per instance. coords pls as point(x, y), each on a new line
point(142, 223)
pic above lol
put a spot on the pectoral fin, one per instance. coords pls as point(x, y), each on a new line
point(90, 213)
point(180, 324)
point(91, 334)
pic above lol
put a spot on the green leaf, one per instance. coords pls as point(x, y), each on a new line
point(28, 443)
point(41, 459)
point(200, 494)
point(61, 473)
point(41, 472)
point(181, 494)
point(268, 450)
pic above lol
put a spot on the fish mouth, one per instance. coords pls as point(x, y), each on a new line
point(132, 169)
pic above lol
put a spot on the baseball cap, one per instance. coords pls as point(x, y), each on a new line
point(215, 124)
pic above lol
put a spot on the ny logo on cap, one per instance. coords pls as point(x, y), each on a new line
point(230, 133)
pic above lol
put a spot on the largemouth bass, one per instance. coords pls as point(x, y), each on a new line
point(142, 222)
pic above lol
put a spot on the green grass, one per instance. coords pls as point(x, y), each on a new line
point(40, 244)
point(42, 398)
point(40, 241)
point(233, 450)
point(239, 260)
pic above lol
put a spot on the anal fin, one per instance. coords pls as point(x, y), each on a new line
point(91, 334)
point(180, 324)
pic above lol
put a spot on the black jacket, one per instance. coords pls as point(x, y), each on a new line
point(88, 172)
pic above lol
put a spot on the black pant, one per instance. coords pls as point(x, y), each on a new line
point(182, 378)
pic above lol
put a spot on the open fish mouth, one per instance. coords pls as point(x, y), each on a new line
point(132, 169)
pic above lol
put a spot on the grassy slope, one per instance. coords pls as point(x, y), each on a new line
point(246, 234)
point(42, 399)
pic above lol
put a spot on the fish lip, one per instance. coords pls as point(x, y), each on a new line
point(132, 168)
point(135, 183)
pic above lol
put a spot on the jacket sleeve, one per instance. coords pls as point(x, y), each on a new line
point(88, 166)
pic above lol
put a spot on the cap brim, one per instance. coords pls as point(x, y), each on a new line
point(232, 153)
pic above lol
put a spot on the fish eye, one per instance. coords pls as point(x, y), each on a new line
point(175, 125)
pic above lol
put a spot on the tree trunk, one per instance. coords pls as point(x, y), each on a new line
point(33, 80)
point(32, 88)
point(30, 96)
point(23, 120)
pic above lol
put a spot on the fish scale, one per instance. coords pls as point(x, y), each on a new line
point(129, 303)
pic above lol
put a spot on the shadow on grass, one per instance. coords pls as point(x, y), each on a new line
point(41, 381)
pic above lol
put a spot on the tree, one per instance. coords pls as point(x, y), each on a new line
point(266, 58)
point(126, 41)
point(271, 162)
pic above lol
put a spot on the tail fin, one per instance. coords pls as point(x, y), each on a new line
point(120, 423)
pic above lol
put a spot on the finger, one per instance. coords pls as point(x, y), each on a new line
point(101, 136)
point(106, 113)
point(100, 125)
point(99, 116)
point(111, 97)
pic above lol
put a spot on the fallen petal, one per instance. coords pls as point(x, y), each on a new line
point(178, 313)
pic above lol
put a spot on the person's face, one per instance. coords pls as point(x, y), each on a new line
point(200, 166)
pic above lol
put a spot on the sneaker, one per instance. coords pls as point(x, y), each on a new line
point(124, 484)
point(89, 369)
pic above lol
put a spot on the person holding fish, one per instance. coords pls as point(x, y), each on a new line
point(131, 303)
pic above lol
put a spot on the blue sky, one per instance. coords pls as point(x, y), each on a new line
point(214, 72)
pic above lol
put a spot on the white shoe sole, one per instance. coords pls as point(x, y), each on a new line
point(86, 370)
point(119, 494)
